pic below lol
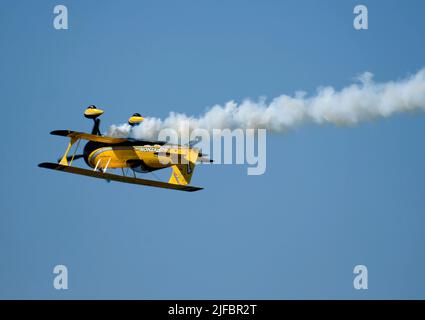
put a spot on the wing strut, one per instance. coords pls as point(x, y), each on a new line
point(64, 160)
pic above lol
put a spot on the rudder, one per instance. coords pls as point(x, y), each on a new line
point(182, 173)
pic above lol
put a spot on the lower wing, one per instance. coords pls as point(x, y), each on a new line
point(115, 177)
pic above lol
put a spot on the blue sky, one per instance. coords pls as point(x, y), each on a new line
point(331, 198)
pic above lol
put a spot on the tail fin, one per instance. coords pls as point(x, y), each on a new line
point(182, 173)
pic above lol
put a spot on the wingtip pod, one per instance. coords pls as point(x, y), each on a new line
point(92, 112)
point(135, 119)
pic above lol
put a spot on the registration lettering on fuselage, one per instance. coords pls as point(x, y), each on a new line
point(151, 149)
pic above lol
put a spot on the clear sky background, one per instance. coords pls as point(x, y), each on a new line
point(331, 198)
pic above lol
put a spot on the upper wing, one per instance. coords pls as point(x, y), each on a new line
point(103, 139)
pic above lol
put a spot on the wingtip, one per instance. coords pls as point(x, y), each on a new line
point(60, 132)
point(43, 165)
point(193, 189)
point(47, 165)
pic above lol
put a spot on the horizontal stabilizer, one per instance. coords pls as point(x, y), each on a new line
point(205, 160)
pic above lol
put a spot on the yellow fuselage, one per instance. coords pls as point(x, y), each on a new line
point(148, 157)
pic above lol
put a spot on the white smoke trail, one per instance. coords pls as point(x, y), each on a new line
point(362, 101)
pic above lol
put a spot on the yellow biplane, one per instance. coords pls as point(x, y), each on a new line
point(129, 155)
